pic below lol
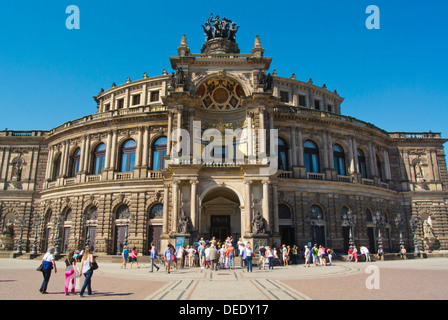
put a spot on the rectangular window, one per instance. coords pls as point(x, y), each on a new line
point(135, 99)
point(302, 100)
point(284, 97)
point(120, 103)
point(330, 108)
point(317, 104)
point(107, 107)
point(154, 96)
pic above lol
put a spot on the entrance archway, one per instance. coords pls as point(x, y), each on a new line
point(220, 214)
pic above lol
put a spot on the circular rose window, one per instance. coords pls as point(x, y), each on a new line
point(220, 94)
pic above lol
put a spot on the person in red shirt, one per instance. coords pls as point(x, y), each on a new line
point(350, 254)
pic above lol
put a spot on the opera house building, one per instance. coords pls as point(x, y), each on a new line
point(217, 147)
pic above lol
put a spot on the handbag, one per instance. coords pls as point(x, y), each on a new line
point(40, 268)
point(93, 265)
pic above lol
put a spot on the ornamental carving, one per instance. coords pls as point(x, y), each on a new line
point(220, 94)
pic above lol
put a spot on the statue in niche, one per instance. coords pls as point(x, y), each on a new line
point(184, 225)
point(259, 224)
point(428, 231)
point(419, 172)
point(17, 170)
point(8, 230)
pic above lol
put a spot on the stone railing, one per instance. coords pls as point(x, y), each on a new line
point(324, 114)
point(123, 175)
point(415, 135)
point(315, 176)
point(109, 114)
point(345, 179)
point(285, 174)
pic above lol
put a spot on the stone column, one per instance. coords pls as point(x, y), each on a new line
point(355, 155)
point(83, 155)
point(294, 147)
point(175, 205)
point(64, 158)
point(325, 150)
point(301, 160)
point(250, 137)
point(108, 150)
point(262, 136)
point(265, 211)
point(138, 151)
point(49, 162)
point(168, 138)
point(143, 102)
point(330, 152)
point(387, 165)
point(247, 208)
point(145, 147)
point(113, 151)
point(193, 204)
point(275, 207)
point(165, 209)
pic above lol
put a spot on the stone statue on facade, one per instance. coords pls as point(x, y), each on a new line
point(259, 224)
point(268, 83)
point(17, 170)
point(179, 76)
point(430, 241)
point(184, 224)
point(419, 177)
point(427, 228)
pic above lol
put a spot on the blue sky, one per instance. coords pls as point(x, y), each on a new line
point(394, 78)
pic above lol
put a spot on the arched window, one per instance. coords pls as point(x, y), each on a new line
point(316, 213)
point(156, 211)
point(122, 212)
point(68, 215)
point(282, 155)
point(92, 213)
point(128, 156)
point(369, 215)
point(283, 212)
point(158, 154)
point(311, 154)
point(339, 160)
point(75, 160)
point(362, 168)
point(99, 156)
point(56, 167)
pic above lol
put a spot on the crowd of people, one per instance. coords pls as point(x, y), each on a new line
point(213, 255)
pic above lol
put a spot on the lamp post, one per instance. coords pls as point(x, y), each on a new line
point(378, 220)
point(348, 220)
point(413, 223)
point(130, 222)
point(399, 223)
point(87, 231)
point(58, 223)
point(36, 223)
point(22, 226)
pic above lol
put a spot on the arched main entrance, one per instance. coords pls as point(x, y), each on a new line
point(220, 214)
